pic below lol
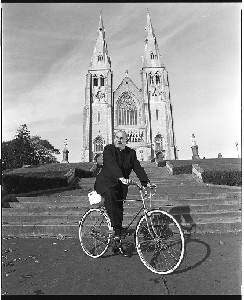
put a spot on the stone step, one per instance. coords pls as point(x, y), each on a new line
point(74, 218)
point(128, 210)
point(212, 208)
point(204, 203)
point(228, 225)
point(161, 196)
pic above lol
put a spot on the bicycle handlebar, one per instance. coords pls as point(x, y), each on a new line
point(152, 186)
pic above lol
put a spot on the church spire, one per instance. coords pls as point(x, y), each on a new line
point(100, 58)
point(152, 57)
point(101, 21)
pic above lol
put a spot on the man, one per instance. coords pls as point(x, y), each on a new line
point(112, 182)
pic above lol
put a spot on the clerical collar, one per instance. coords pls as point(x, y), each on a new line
point(119, 149)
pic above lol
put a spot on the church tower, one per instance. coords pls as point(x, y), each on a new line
point(158, 107)
point(97, 115)
point(145, 112)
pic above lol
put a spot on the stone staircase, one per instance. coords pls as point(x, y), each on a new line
point(199, 207)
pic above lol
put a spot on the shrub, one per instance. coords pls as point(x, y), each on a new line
point(24, 183)
point(43, 177)
point(83, 173)
point(185, 169)
point(161, 163)
point(232, 178)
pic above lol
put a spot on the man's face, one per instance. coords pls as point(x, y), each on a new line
point(120, 140)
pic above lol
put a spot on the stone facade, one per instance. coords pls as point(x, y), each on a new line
point(145, 113)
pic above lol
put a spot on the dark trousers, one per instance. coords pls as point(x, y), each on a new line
point(114, 205)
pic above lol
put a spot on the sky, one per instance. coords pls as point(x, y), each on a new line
point(47, 48)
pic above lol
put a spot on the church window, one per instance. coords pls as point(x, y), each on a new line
point(100, 57)
point(150, 78)
point(152, 55)
point(101, 80)
point(158, 142)
point(127, 111)
point(157, 111)
point(95, 81)
point(157, 76)
point(98, 144)
point(98, 116)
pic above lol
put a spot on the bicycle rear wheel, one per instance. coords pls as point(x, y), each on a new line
point(95, 232)
point(159, 242)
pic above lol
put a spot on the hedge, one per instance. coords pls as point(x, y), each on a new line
point(186, 169)
point(232, 178)
point(24, 183)
point(50, 176)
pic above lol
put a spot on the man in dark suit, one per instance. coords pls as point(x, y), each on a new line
point(112, 182)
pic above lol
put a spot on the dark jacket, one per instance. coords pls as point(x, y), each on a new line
point(117, 164)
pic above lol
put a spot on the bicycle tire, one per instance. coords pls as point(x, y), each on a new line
point(95, 232)
point(161, 244)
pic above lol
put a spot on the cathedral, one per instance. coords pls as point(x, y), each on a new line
point(145, 113)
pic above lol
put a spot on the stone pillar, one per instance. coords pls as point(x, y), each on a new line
point(65, 152)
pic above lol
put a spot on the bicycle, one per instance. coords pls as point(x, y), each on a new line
point(158, 237)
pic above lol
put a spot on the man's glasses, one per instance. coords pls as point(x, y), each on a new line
point(120, 138)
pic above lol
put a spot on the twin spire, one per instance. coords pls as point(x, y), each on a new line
point(152, 57)
point(101, 60)
point(100, 21)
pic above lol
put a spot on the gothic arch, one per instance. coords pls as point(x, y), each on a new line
point(159, 143)
point(126, 110)
point(100, 57)
point(101, 80)
point(157, 77)
point(95, 80)
point(151, 79)
point(98, 143)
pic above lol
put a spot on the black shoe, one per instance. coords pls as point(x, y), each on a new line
point(121, 251)
point(123, 231)
point(120, 231)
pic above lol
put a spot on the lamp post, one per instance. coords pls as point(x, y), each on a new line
point(237, 149)
point(177, 152)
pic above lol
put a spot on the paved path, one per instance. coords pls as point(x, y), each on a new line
point(43, 266)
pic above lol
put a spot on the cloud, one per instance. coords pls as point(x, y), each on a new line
point(47, 49)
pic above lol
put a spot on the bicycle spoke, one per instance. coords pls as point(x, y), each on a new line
point(163, 253)
point(94, 236)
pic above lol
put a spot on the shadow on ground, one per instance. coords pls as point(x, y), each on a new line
point(196, 252)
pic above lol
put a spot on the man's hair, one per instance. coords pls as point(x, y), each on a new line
point(120, 130)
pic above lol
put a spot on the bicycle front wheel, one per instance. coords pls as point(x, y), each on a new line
point(159, 242)
point(95, 232)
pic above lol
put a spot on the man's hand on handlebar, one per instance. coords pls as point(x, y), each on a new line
point(151, 185)
point(132, 182)
point(126, 181)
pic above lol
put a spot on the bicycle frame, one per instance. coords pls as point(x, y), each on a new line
point(144, 208)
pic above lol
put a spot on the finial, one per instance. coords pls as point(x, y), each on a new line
point(101, 20)
point(126, 73)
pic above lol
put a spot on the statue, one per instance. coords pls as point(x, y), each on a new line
point(193, 140)
point(194, 147)
point(65, 152)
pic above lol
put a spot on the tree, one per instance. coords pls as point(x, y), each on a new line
point(25, 149)
point(8, 155)
point(43, 150)
point(22, 143)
